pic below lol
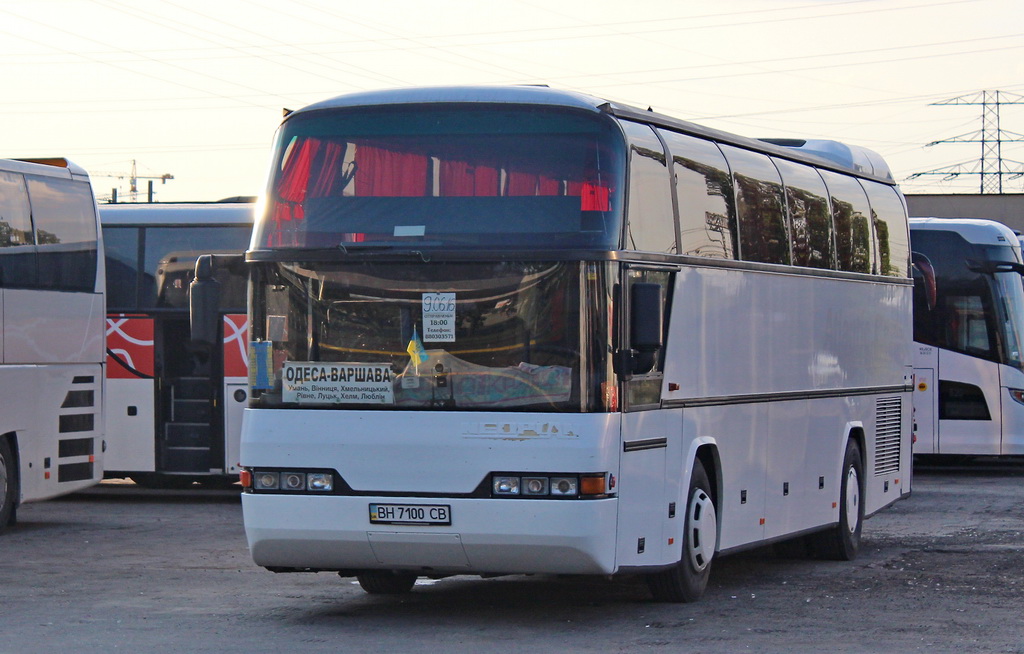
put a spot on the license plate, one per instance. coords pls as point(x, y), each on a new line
point(410, 514)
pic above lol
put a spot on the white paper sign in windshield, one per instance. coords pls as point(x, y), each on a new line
point(439, 317)
point(337, 383)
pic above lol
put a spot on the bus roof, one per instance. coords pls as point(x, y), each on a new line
point(974, 230)
point(190, 213)
point(820, 152)
point(46, 166)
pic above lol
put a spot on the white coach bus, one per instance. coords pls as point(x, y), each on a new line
point(517, 330)
point(174, 407)
point(51, 309)
point(969, 335)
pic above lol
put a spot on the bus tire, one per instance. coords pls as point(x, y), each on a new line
point(686, 581)
point(386, 582)
point(8, 484)
point(842, 542)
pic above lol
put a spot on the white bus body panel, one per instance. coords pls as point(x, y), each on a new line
point(971, 436)
point(735, 343)
point(440, 453)
point(926, 399)
point(52, 327)
point(32, 391)
point(1012, 411)
point(236, 396)
point(131, 439)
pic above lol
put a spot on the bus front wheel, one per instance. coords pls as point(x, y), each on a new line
point(386, 582)
point(842, 542)
point(686, 581)
point(8, 484)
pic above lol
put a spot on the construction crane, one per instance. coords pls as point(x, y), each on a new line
point(133, 183)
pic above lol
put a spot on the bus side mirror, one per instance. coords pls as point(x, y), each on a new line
point(645, 325)
point(924, 270)
point(203, 303)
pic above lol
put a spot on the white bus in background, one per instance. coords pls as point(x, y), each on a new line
point(51, 310)
point(969, 335)
point(175, 408)
point(517, 330)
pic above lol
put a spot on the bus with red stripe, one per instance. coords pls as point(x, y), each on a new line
point(175, 407)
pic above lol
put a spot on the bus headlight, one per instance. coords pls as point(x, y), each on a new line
point(505, 485)
point(320, 481)
point(552, 486)
point(266, 480)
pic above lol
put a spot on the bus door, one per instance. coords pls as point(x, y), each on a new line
point(191, 434)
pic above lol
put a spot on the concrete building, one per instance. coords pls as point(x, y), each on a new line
point(1007, 208)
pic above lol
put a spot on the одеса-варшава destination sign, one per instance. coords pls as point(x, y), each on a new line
point(337, 383)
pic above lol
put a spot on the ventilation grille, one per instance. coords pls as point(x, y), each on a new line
point(888, 417)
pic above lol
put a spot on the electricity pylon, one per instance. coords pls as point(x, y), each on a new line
point(992, 167)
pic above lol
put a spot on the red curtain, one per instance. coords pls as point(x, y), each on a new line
point(384, 173)
point(459, 179)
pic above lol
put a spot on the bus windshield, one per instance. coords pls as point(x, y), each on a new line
point(1011, 316)
point(454, 336)
point(486, 177)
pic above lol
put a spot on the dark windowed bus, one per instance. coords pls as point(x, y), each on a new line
point(968, 337)
point(518, 330)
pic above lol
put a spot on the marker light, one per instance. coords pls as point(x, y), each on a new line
point(1017, 394)
point(592, 485)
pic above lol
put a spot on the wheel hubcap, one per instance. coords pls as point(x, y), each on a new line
point(702, 535)
point(852, 499)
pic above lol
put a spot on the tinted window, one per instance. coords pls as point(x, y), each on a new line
point(704, 195)
point(760, 207)
point(442, 177)
point(17, 250)
point(64, 215)
point(121, 246)
point(15, 218)
point(63, 211)
point(889, 217)
point(809, 214)
point(974, 312)
point(169, 262)
point(651, 226)
point(850, 218)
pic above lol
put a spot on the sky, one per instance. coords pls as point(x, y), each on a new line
point(196, 89)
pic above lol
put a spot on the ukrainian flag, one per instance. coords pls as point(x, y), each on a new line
point(415, 349)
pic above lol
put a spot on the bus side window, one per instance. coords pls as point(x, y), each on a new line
point(760, 206)
point(651, 223)
point(889, 219)
point(64, 215)
point(850, 211)
point(17, 251)
point(704, 197)
point(810, 215)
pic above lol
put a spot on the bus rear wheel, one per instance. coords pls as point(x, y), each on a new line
point(686, 581)
point(386, 582)
point(8, 484)
point(842, 542)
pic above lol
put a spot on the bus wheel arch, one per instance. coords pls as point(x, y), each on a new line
point(8, 480)
point(686, 580)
